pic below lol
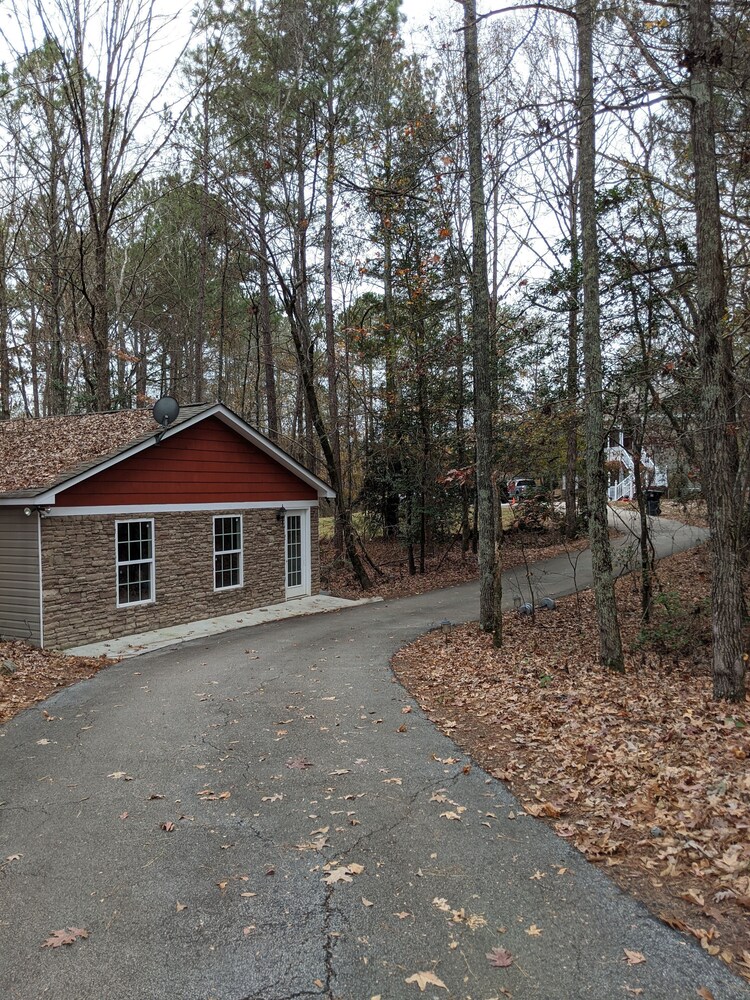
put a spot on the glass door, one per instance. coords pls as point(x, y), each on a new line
point(296, 554)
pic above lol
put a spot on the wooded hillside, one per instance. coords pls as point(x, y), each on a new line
point(292, 219)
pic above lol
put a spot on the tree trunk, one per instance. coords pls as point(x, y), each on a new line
point(264, 317)
point(719, 431)
point(610, 645)
point(481, 335)
point(4, 321)
point(571, 430)
point(100, 328)
point(331, 372)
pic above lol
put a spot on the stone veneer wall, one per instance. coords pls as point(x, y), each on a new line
point(78, 573)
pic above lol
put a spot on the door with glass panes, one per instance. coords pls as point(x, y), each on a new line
point(296, 542)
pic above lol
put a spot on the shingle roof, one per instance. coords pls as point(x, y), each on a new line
point(36, 454)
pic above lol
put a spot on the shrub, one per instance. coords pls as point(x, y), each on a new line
point(674, 627)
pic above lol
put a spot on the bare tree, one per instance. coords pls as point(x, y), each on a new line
point(610, 644)
point(99, 52)
point(489, 602)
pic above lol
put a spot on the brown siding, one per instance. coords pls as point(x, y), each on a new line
point(79, 574)
point(20, 616)
point(208, 463)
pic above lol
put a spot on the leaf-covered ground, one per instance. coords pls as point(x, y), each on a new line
point(445, 565)
point(38, 673)
point(643, 772)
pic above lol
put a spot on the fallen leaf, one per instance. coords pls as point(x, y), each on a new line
point(500, 958)
point(705, 993)
point(298, 763)
point(168, 827)
point(366, 902)
point(634, 957)
point(67, 935)
point(534, 931)
point(402, 915)
point(340, 874)
point(425, 979)
point(180, 907)
point(209, 795)
point(14, 857)
point(124, 815)
point(151, 798)
point(543, 809)
point(247, 895)
point(450, 815)
point(441, 904)
point(312, 845)
point(248, 930)
point(691, 896)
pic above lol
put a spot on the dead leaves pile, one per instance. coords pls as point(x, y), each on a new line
point(39, 672)
point(643, 772)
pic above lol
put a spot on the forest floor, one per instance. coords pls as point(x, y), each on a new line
point(642, 771)
point(445, 563)
point(29, 675)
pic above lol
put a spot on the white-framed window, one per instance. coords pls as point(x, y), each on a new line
point(134, 544)
point(227, 551)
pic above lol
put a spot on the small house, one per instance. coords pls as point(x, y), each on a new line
point(111, 524)
point(620, 466)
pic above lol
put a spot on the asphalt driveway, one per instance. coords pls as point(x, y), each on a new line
point(326, 842)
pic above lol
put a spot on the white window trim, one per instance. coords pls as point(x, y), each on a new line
point(240, 551)
point(306, 586)
point(152, 598)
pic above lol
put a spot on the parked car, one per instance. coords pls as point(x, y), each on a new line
point(517, 488)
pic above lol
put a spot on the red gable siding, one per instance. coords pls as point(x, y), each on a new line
point(208, 463)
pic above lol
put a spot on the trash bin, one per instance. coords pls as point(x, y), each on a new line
point(653, 505)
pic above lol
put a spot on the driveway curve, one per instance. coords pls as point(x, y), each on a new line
point(327, 841)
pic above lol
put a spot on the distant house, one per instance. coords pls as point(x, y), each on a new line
point(618, 458)
point(110, 525)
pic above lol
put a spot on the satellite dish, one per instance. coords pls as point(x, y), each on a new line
point(165, 411)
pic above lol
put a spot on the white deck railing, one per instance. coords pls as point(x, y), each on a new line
point(620, 490)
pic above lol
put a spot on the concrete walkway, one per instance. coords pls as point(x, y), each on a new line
point(145, 642)
point(315, 849)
